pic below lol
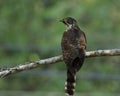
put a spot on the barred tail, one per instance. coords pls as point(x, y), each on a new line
point(70, 83)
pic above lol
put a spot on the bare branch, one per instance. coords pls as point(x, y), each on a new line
point(99, 53)
point(31, 65)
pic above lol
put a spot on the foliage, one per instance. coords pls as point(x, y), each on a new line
point(31, 28)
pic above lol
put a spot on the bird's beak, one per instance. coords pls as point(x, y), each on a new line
point(61, 20)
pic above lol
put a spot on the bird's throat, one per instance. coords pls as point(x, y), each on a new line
point(69, 27)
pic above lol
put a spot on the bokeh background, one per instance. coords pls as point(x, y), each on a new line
point(30, 30)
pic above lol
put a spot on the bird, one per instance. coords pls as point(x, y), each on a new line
point(73, 46)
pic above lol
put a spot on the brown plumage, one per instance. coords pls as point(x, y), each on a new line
point(73, 48)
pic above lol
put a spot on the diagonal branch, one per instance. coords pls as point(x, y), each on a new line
point(52, 60)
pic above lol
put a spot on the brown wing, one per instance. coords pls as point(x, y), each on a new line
point(73, 46)
point(83, 40)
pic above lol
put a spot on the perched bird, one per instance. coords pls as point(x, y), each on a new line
point(73, 49)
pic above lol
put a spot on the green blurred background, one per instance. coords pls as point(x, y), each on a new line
point(30, 30)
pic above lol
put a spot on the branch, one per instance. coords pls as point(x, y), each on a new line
point(52, 60)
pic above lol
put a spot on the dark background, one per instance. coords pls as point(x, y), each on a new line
point(30, 30)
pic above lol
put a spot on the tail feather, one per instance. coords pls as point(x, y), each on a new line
point(70, 83)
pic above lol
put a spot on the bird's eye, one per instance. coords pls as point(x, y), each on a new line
point(70, 21)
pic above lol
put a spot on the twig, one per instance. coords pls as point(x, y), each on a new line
point(31, 65)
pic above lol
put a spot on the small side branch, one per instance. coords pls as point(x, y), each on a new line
point(52, 60)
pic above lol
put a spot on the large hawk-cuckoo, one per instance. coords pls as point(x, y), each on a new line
point(73, 48)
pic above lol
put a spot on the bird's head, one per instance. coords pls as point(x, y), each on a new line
point(68, 21)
